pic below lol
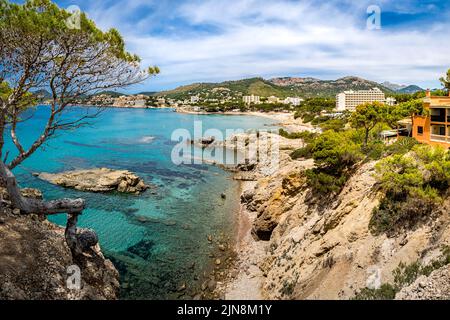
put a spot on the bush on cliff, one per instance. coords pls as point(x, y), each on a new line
point(413, 184)
point(305, 135)
point(335, 155)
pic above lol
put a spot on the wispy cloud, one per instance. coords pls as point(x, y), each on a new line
point(214, 40)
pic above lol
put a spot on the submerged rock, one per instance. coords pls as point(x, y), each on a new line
point(97, 180)
point(142, 249)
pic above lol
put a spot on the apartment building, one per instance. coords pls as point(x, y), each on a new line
point(251, 99)
point(349, 100)
point(295, 101)
point(434, 128)
point(391, 101)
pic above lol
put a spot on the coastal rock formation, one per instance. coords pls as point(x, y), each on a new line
point(98, 180)
point(322, 249)
point(309, 247)
point(434, 287)
point(35, 262)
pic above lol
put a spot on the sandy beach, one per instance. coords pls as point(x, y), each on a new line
point(285, 120)
point(245, 280)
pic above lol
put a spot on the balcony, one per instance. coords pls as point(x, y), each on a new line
point(438, 119)
point(439, 138)
point(438, 115)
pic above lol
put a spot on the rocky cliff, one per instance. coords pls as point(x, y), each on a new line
point(321, 247)
point(35, 260)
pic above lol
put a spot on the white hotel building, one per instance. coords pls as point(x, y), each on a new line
point(251, 99)
point(349, 100)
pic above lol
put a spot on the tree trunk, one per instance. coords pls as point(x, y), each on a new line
point(78, 242)
point(366, 137)
point(2, 132)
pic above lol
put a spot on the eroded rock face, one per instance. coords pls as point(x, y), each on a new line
point(328, 252)
point(322, 248)
point(98, 180)
point(35, 261)
point(271, 199)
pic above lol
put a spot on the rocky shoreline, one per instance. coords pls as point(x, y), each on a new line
point(244, 278)
point(292, 245)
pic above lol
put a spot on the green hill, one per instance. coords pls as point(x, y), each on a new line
point(280, 87)
point(410, 89)
point(113, 94)
point(42, 94)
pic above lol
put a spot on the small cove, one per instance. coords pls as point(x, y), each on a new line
point(159, 240)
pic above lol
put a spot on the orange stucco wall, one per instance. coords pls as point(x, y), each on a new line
point(421, 121)
point(424, 122)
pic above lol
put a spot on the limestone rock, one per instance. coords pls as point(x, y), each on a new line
point(98, 180)
point(39, 270)
point(434, 287)
point(32, 193)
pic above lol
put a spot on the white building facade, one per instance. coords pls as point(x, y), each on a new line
point(349, 100)
point(295, 101)
point(251, 99)
point(391, 101)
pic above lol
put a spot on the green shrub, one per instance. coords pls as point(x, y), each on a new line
point(404, 275)
point(413, 184)
point(402, 146)
point(334, 124)
point(305, 135)
point(385, 292)
point(322, 183)
point(304, 152)
point(308, 117)
point(336, 151)
point(375, 150)
point(334, 154)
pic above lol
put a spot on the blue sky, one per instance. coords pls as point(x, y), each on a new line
point(216, 40)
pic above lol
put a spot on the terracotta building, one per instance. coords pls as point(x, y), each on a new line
point(434, 128)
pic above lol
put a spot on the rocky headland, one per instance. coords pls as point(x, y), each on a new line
point(97, 180)
point(293, 245)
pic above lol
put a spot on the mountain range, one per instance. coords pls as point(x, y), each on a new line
point(281, 87)
point(401, 88)
point(287, 86)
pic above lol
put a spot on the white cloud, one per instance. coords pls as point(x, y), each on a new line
point(276, 38)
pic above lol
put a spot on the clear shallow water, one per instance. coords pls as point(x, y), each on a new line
point(157, 240)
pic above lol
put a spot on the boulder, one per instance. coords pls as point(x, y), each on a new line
point(98, 180)
point(32, 193)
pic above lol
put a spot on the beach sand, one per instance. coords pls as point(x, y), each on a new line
point(245, 280)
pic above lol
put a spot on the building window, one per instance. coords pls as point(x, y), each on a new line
point(420, 130)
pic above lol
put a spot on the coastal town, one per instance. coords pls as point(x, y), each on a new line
point(345, 101)
point(302, 164)
point(431, 130)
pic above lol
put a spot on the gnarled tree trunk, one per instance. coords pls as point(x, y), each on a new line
point(78, 242)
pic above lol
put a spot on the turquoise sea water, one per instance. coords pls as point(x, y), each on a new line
point(157, 240)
